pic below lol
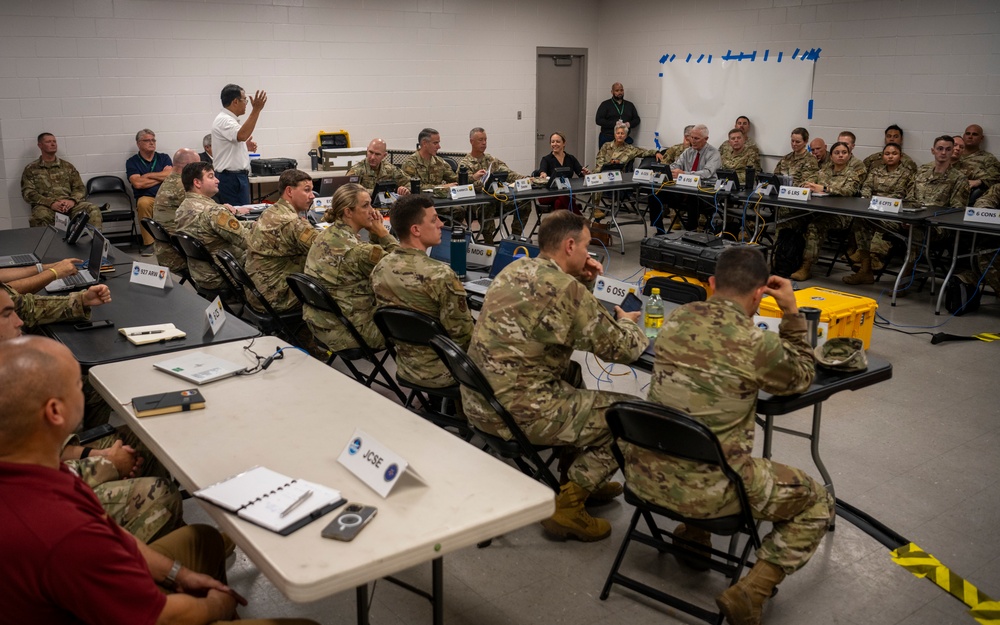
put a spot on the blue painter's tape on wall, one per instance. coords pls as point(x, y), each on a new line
point(766, 52)
point(700, 58)
point(663, 59)
point(780, 54)
point(709, 58)
point(672, 57)
point(753, 57)
point(689, 58)
point(810, 116)
point(661, 74)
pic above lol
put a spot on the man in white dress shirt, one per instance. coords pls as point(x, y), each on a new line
point(230, 142)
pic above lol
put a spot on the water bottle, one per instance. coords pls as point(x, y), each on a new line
point(414, 185)
point(314, 160)
point(653, 315)
point(750, 178)
point(463, 175)
point(812, 322)
point(459, 248)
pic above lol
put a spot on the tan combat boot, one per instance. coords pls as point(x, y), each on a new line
point(694, 535)
point(864, 275)
point(742, 603)
point(604, 493)
point(804, 272)
point(571, 519)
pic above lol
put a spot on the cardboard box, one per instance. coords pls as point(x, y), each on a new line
point(844, 314)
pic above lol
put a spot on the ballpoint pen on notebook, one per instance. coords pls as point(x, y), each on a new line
point(297, 503)
point(146, 332)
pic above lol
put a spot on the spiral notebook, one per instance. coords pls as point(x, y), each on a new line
point(261, 495)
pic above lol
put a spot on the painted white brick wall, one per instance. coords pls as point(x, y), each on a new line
point(95, 71)
point(931, 67)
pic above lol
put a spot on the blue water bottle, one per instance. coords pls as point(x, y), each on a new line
point(459, 248)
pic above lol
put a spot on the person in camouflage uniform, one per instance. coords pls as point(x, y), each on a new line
point(168, 197)
point(979, 166)
point(51, 185)
point(710, 362)
point(278, 245)
point(817, 147)
point(893, 134)
point(344, 264)
point(835, 178)
point(477, 162)
point(426, 164)
point(145, 507)
point(986, 246)
point(737, 154)
point(408, 278)
point(671, 154)
point(618, 152)
point(886, 179)
point(212, 224)
point(375, 169)
point(799, 163)
point(536, 312)
point(855, 164)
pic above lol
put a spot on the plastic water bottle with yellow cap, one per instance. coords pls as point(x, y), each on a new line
point(653, 314)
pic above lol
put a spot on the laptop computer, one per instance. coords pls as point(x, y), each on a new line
point(329, 186)
point(91, 274)
point(31, 258)
point(199, 368)
point(507, 252)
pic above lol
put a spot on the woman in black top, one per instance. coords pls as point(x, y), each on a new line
point(559, 158)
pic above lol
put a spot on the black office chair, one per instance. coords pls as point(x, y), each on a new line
point(161, 235)
point(452, 163)
point(194, 249)
point(399, 325)
point(284, 325)
point(311, 292)
point(519, 449)
point(113, 185)
point(668, 432)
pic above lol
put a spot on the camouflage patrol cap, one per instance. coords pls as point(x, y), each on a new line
point(842, 354)
point(441, 192)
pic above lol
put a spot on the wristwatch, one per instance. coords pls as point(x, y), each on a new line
point(171, 578)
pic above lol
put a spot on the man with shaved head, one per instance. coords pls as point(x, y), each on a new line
point(613, 110)
point(981, 167)
point(168, 198)
point(65, 560)
point(375, 169)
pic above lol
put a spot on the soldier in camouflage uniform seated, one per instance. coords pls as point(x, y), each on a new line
point(979, 166)
point(738, 154)
point(343, 264)
point(148, 506)
point(477, 162)
point(168, 198)
point(408, 278)
point(375, 169)
point(536, 312)
point(51, 185)
point(710, 362)
point(893, 134)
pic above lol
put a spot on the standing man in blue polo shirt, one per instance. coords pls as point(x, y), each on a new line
point(230, 142)
point(146, 170)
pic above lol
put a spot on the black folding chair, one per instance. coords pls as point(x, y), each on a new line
point(113, 185)
point(399, 325)
point(161, 235)
point(193, 249)
point(311, 292)
point(518, 449)
point(668, 432)
point(269, 321)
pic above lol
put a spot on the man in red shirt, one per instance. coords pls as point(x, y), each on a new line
point(65, 561)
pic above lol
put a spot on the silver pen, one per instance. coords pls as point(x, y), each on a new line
point(297, 503)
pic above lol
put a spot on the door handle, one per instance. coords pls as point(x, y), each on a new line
point(539, 136)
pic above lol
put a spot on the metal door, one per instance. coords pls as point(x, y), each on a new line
point(561, 100)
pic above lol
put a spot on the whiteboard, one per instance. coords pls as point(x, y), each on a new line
point(775, 96)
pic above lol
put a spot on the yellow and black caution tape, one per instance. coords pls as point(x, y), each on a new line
point(922, 564)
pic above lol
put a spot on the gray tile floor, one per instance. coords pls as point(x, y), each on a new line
point(917, 452)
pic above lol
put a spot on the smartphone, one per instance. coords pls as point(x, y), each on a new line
point(91, 325)
point(93, 434)
point(350, 522)
point(631, 303)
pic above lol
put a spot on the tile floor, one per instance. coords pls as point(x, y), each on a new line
point(918, 452)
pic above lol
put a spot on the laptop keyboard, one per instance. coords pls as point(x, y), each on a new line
point(76, 279)
point(23, 259)
point(482, 282)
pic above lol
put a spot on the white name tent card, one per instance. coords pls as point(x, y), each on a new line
point(480, 255)
point(613, 291)
point(642, 175)
point(801, 194)
point(688, 180)
point(593, 180)
point(885, 204)
point(62, 222)
point(463, 192)
point(372, 462)
point(522, 184)
point(216, 315)
point(150, 275)
point(612, 176)
point(983, 215)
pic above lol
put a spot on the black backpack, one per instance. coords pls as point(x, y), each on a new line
point(961, 296)
point(786, 257)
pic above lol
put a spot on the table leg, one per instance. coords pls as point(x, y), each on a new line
point(614, 220)
point(814, 447)
point(362, 599)
point(437, 590)
point(951, 270)
point(906, 261)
